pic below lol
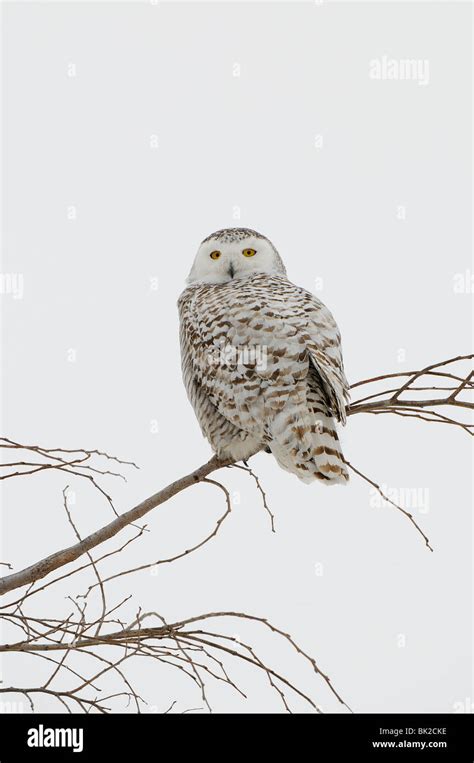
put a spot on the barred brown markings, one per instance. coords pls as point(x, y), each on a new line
point(300, 431)
point(324, 449)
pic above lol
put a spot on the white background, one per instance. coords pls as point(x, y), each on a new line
point(389, 621)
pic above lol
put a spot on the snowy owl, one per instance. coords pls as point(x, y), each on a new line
point(261, 359)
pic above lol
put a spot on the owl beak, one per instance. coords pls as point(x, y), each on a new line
point(231, 270)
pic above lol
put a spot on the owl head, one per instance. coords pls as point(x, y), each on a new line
point(234, 253)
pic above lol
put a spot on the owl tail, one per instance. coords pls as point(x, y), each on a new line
point(304, 441)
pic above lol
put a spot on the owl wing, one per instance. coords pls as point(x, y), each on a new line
point(323, 341)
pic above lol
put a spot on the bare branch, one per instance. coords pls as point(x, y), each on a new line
point(67, 555)
point(201, 655)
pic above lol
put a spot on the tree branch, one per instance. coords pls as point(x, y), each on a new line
point(67, 555)
point(389, 404)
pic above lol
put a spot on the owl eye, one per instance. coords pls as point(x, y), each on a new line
point(215, 255)
point(249, 252)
